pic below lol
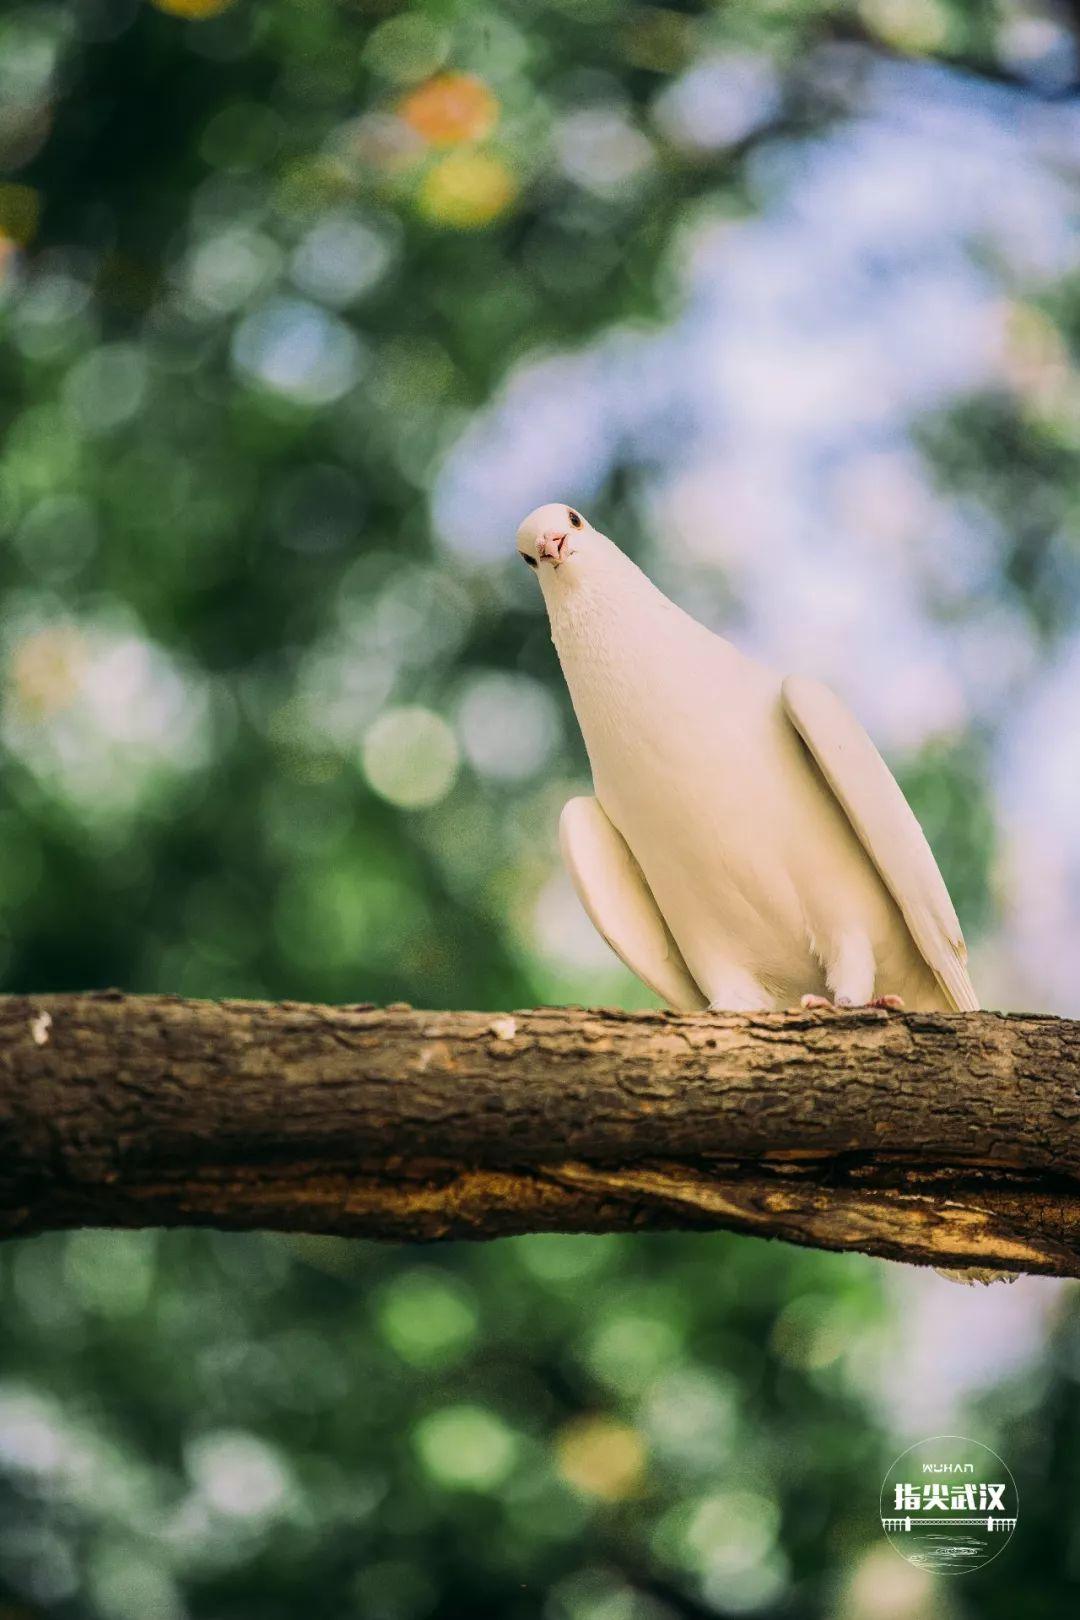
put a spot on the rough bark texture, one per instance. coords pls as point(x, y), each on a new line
point(952, 1140)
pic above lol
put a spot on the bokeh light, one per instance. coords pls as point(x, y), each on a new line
point(410, 757)
point(195, 9)
point(451, 108)
point(467, 189)
point(299, 351)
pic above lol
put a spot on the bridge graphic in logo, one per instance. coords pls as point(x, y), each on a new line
point(949, 1504)
point(990, 1522)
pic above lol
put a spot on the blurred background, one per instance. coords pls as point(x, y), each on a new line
point(302, 306)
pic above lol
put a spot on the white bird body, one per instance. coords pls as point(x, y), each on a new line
point(751, 876)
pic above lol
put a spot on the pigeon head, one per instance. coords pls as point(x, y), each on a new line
point(554, 534)
point(584, 577)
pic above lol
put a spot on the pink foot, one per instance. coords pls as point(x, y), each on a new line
point(844, 1004)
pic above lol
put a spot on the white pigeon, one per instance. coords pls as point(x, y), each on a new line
point(747, 847)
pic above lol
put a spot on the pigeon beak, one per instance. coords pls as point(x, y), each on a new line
point(552, 547)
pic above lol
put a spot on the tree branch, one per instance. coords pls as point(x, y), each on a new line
point(921, 1137)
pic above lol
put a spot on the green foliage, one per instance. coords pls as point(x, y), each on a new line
point(947, 787)
point(262, 735)
point(265, 1425)
point(197, 187)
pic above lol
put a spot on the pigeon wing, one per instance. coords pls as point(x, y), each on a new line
point(613, 890)
point(887, 829)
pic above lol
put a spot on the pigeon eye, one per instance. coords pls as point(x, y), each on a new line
point(527, 559)
point(575, 518)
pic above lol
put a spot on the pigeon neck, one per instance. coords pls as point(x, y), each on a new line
point(624, 649)
point(599, 614)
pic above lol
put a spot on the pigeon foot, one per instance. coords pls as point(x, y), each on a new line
point(845, 1004)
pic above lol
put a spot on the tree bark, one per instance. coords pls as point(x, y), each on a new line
point(951, 1140)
